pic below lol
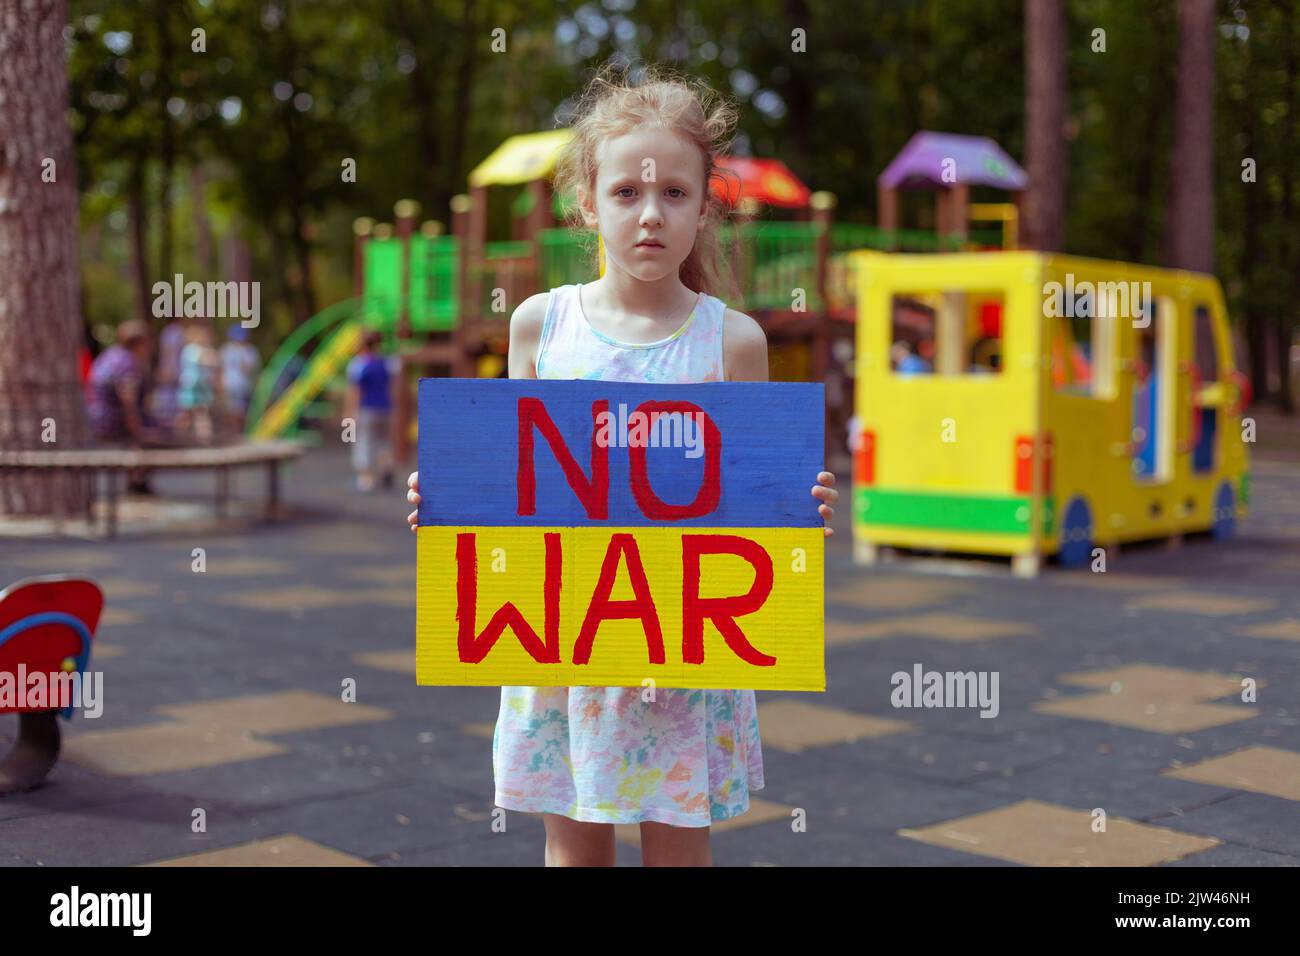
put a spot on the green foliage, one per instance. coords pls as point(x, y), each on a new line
point(414, 92)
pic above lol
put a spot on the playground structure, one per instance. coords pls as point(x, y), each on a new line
point(443, 300)
point(1072, 403)
point(1113, 430)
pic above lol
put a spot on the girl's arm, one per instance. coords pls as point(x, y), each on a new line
point(525, 336)
point(744, 355)
point(744, 348)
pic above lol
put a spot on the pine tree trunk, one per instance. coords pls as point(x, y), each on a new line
point(138, 214)
point(199, 218)
point(165, 241)
point(1189, 222)
point(463, 95)
point(40, 320)
point(1288, 317)
point(1253, 317)
point(1045, 155)
point(800, 98)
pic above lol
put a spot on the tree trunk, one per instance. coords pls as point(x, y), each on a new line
point(199, 216)
point(302, 252)
point(463, 97)
point(138, 211)
point(166, 60)
point(1288, 317)
point(409, 22)
point(1045, 153)
point(287, 287)
point(1252, 317)
point(40, 321)
point(1152, 120)
point(1189, 222)
point(236, 260)
point(799, 96)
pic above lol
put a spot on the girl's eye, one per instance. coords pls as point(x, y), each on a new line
point(625, 189)
point(677, 189)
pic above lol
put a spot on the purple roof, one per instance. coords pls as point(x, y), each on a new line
point(978, 162)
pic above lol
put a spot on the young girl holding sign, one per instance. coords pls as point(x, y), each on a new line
point(640, 164)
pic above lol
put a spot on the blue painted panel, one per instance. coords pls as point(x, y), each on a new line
point(769, 451)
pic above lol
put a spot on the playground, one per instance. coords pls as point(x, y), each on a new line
point(1052, 319)
point(441, 301)
point(255, 650)
point(442, 297)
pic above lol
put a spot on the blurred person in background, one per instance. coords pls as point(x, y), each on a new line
point(117, 387)
point(168, 374)
point(200, 380)
point(370, 404)
point(240, 364)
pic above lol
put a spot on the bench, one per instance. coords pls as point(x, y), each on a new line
point(47, 625)
point(113, 462)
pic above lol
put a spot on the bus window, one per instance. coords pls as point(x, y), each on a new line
point(1082, 351)
point(1071, 354)
point(946, 333)
point(911, 336)
point(1205, 422)
point(1151, 378)
point(986, 347)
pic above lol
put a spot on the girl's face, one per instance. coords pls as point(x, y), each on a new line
point(649, 189)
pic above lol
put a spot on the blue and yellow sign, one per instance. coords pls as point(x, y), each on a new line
point(586, 533)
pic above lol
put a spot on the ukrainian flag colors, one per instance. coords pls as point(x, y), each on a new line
point(609, 534)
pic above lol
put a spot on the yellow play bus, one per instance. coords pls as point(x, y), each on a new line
point(1026, 405)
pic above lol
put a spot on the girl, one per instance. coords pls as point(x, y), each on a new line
point(639, 163)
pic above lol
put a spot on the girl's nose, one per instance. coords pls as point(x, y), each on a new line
point(650, 213)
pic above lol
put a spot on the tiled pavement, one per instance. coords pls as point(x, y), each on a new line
point(1122, 736)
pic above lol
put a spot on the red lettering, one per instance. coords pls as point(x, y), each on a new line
point(722, 611)
point(473, 649)
point(706, 499)
point(593, 493)
point(603, 609)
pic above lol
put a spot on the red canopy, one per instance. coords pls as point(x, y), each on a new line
point(767, 180)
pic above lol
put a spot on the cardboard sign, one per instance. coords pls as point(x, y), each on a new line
point(589, 533)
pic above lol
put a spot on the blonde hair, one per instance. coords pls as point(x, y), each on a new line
point(612, 105)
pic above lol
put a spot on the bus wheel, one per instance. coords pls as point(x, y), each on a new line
point(1076, 534)
point(1225, 512)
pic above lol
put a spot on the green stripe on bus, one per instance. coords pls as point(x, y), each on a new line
point(911, 509)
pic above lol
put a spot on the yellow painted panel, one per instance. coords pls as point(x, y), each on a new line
point(936, 432)
point(974, 542)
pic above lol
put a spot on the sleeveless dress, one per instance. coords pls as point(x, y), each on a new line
point(602, 754)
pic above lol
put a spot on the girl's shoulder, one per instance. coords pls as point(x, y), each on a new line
point(529, 314)
point(741, 328)
point(744, 347)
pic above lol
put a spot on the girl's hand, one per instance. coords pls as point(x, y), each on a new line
point(413, 496)
point(823, 491)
